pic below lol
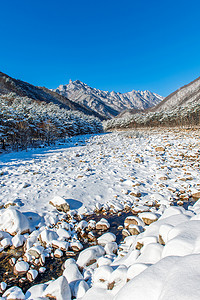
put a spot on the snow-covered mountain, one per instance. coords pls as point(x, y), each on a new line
point(186, 95)
point(108, 104)
point(181, 108)
point(25, 89)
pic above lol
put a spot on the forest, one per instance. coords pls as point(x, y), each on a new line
point(181, 116)
point(26, 122)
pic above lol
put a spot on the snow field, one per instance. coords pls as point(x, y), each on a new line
point(157, 260)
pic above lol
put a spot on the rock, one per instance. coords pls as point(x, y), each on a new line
point(80, 288)
point(32, 274)
point(58, 289)
point(21, 267)
point(60, 204)
point(90, 255)
point(196, 195)
point(118, 278)
point(42, 270)
point(36, 251)
point(3, 286)
point(148, 217)
point(134, 229)
point(71, 271)
point(101, 276)
point(58, 253)
point(18, 240)
point(63, 234)
point(160, 148)
point(91, 236)
point(47, 236)
point(104, 261)
point(139, 246)
point(5, 243)
point(68, 262)
point(35, 291)
point(14, 293)
point(180, 203)
point(135, 193)
point(102, 225)
point(91, 224)
point(8, 204)
point(62, 245)
point(12, 261)
point(164, 177)
point(133, 220)
point(138, 209)
point(76, 245)
point(138, 159)
point(125, 232)
point(120, 227)
point(160, 240)
point(106, 238)
point(82, 225)
point(135, 270)
point(99, 206)
point(111, 248)
point(13, 221)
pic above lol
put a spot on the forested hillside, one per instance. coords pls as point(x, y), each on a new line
point(24, 122)
point(181, 108)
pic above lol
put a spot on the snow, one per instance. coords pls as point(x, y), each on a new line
point(18, 240)
point(14, 293)
point(90, 173)
point(58, 289)
point(90, 255)
point(21, 266)
point(54, 172)
point(32, 274)
point(171, 278)
point(72, 272)
point(105, 103)
point(35, 291)
point(106, 238)
point(13, 221)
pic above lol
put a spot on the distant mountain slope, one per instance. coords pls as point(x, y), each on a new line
point(108, 104)
point(185, 95)
point(21, 88)
point(181, 108)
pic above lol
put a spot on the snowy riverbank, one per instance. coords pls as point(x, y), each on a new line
point(153, 174)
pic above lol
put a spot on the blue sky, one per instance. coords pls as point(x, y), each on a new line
point(110, 45)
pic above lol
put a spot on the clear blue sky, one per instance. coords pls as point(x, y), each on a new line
point(110, 45)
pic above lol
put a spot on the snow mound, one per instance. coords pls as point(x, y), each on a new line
point(160, 281)
point(13, 221)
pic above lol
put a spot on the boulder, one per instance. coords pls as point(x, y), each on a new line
point(58, 289)
point(102, 225)
point(13, 221)
point(14, 293)
point(60, 203)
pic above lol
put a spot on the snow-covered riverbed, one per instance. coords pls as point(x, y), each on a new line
point(146, 172)
point(101, 169)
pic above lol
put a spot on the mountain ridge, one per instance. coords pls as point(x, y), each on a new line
point(108, 104)
point(22, 88)
point(184, 95)
point(181, 108)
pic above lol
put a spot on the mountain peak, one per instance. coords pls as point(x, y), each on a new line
point(108, 104)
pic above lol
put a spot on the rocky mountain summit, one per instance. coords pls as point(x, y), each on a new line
point(108, 104)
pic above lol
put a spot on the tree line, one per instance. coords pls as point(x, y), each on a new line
point(25, 122)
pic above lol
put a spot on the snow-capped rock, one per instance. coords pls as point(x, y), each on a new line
point(13, 221)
